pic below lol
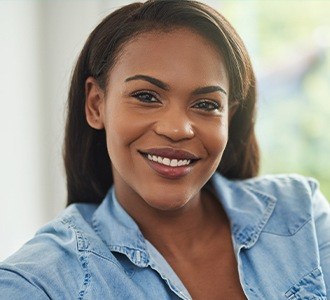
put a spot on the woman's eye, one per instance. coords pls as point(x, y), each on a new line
point(207, 105)
point(146, 97)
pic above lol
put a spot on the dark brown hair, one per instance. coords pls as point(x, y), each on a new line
point(87, 163)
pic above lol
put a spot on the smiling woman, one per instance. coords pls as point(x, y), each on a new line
point(161, 161)
point(178, 114)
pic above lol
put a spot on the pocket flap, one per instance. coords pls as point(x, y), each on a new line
point(310, 287)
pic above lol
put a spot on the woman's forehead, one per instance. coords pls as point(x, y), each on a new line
point(178, 54)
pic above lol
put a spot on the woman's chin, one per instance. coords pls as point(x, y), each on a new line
point(167, 203)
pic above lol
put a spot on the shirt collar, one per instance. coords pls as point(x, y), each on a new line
point(119, 231)
point(248, 211)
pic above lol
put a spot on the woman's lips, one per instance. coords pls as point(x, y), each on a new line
point(168, 162)
point(170, 153)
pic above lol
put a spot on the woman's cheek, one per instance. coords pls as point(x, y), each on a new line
point(127, 128)
point(215, 136)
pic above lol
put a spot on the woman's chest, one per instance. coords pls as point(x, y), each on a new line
point(213, 279)
point(213, 273)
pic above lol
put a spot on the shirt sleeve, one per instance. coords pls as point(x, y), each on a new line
point(15, 286)
point(321, 212)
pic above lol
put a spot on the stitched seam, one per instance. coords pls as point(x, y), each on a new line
point(309, 273)
point(83, 258)
point(261, 224)
point(251, 289)
point(87, 275)
point(82, 254)
point(249, 187)
point(277, 234)
point(300, 279)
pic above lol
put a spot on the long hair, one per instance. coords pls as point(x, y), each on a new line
point(87, 163)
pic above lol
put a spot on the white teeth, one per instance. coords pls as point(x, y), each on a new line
point(169, 162)
point(166, 161)
point(174, 163)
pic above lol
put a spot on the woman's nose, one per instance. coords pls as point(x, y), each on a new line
point(175, 125)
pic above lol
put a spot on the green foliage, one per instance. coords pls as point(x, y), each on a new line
point(293, 124)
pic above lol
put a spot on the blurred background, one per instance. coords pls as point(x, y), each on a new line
point(289, 42)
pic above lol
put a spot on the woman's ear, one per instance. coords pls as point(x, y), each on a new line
point(94, 104)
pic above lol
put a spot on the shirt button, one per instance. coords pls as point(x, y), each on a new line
point(138, 256)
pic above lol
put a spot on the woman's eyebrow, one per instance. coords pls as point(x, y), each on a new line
point(150, 79)
point(164, 86)
point(209, 89)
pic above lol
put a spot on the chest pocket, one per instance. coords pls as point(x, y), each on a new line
point(310, 287)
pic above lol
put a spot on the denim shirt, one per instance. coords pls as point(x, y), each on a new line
point(280, 231)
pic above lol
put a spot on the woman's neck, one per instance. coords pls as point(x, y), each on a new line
point(189, 228)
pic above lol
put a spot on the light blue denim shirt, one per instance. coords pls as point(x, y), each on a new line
point(280, 230)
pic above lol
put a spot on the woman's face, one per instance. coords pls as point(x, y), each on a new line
point(165, 114)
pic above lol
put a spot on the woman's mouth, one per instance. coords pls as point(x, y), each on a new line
point(169, 163)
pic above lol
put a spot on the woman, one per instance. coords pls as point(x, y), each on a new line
point(161, 161)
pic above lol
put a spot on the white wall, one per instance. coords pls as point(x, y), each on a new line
point(21, 168)
point(39, 42)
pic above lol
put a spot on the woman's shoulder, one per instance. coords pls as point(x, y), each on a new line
point(288, 190)
point(284, 189)
point(298, 200)
point(286, 201)
point(297, 231)
point(282, 183)
point(294, 194)
point(45, 265)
